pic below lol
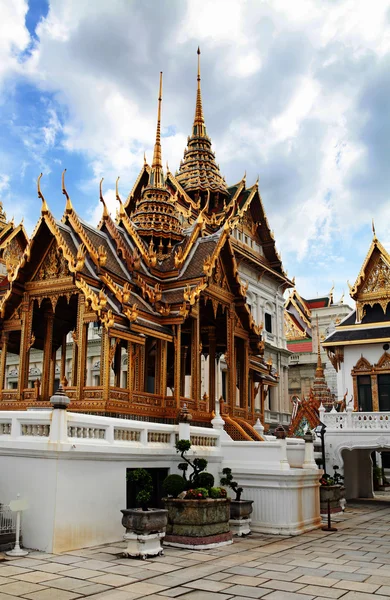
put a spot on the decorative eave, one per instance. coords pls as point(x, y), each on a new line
point(145, 169)
point(19, 229)
point(171, 179)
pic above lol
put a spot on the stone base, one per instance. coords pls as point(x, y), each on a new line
point(141, 546)
point(240, 527)
point(198, 543)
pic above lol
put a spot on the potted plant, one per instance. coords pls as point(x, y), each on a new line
point(145, 527)
point(240, 510)
point(198, 512)
point(330, 492)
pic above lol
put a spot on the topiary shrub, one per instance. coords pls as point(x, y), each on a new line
point(204, 480)
point(228, 480)
point(173, 485)
point(144, 486)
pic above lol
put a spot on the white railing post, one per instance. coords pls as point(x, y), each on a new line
point(348, 419)
point(217, 422)
point(309, 462)
point(59, 421)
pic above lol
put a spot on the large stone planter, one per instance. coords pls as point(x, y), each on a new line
point(240, 521)
point(333, 493)
point(145, 530)
point(198, 523)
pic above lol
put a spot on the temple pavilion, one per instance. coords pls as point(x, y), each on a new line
point(159, 283)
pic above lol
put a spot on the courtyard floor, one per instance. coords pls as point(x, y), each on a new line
point(352, 563)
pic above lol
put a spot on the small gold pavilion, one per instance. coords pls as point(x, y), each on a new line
point(161, 284)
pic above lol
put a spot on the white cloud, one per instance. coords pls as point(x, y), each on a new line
point(14, 37)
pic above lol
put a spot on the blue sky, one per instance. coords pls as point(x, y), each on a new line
point(295, 92)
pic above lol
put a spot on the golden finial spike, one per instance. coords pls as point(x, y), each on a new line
point(121, 209)
point(68, 206)
point(145, 163)
point(45, 208)
point(105, 211)
point(199, 124)
point(373, 228)
point(157, 160)
point(116, 189)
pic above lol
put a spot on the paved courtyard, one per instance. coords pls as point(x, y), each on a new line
point(352, 564)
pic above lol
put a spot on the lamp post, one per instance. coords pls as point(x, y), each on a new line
point(320, 430)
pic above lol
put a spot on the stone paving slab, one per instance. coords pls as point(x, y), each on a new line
point(350, 564)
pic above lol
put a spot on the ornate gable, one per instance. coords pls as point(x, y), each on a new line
point(384, 361)
point(372, 285)
point(53, 266)
point(362, 365)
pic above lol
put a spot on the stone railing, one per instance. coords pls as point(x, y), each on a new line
point(356, 421)
point(99, 432)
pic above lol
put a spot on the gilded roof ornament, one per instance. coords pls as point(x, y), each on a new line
point(45, 208)
point(105, 211)
point(68, 207)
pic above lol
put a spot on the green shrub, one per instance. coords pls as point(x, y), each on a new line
point(173, 485)
point(204, 480)
point(217, 492)
point(228, 480)
point(144, 486)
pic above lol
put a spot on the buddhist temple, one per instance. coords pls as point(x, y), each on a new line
point(307, 323)
point(158, 291)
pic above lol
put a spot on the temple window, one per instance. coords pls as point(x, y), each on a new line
point(364, 393)
point(384, 392)
point(268, 322)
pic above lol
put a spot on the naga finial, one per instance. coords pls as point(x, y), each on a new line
point(68, 207)
point(105, 211)
point(45, 208)
point(373, 229)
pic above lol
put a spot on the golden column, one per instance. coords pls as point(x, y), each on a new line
point(25, 339)
point(82, 338)
point(63, 360)
point(177, 361)
point(47, 353)
point(245, 377)
point(231, 359)
point(3, 361)
point(130, 362)
point(162, 370)
point(105, 364)
point(212, 352)
point(195, 358)
point(375, 393)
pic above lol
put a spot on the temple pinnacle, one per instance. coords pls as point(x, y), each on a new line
point(199, 125)
point(157, 168)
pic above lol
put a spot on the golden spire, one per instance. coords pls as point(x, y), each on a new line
point(157, 168)
point(373, 230)
point(45, 208)
point(68, 207)
point(319, 361)
point(105, 211)
point(199, 124)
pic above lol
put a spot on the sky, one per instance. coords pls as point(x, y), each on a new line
point(295, 93)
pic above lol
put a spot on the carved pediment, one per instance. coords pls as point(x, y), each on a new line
point(53, 265)
point(384, 361)
point(362, 365)
point(12, 254)
point(291, 329)
point(378, 279)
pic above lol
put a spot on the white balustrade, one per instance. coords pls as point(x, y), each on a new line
point(369, 421)
point(35, 429)
point(5, 428)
